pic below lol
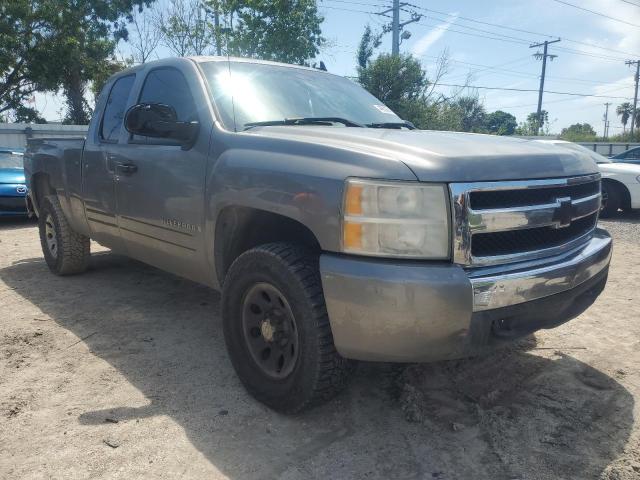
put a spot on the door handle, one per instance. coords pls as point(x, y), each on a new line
point(127, 168)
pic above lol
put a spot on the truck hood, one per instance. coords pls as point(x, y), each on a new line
point(11, 175)
point(446, 156)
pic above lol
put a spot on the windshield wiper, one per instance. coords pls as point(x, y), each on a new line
point(398, 125)
point(304, 121)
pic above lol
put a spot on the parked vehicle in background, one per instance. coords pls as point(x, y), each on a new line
point(630, 156)
point(335, 230)
point(620, 180)
point(13, 189)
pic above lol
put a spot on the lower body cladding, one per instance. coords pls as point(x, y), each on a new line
point(383, 310)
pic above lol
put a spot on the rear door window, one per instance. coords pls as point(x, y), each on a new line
point(114, 109)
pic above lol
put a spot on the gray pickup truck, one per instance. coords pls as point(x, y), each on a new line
point(335, 230)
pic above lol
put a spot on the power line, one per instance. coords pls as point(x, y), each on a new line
point(344, 9)
point(530, 32)
point(491, 35)
point(515, 40)
point(562, 100)
point(437, 27)
point(524, 74)
point(572, 99)
point(370, 4)
point(630, 3)
point(596, 13)
point(532, 90)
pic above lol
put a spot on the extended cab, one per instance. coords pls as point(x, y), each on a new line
point(335, 230)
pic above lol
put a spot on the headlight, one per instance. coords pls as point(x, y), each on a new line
point(395, 219)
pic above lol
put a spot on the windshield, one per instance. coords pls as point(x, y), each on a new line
point(579, 148)
point(10, 160)
point(245, 93)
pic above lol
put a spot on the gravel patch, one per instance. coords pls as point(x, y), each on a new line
point(624, 227)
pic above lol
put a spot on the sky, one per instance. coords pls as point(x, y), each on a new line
point(590, 56)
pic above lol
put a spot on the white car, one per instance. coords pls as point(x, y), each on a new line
point(620, 181)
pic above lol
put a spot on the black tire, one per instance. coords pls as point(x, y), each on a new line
point(319, 372)
point(611, 200)
point(65, 251)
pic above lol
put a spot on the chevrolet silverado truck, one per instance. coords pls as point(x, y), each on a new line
point(335, 230)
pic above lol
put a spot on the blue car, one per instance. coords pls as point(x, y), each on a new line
point(630, 156)
point(13, 190)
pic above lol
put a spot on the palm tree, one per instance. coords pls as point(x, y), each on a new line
point(624, 111)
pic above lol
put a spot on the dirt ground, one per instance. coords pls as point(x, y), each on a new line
point(122, 373)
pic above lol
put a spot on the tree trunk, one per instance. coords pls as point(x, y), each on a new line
point(77, 111)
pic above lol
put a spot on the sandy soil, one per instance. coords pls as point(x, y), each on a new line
point(122, 373)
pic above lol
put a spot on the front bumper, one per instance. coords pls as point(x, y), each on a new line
point(13, 206)
point(382, 310)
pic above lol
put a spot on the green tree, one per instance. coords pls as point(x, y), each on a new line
point(49, 44)
point(471, 113)
point(529, 127)
point(25, 114)
point(24, 44)
point(103, 71)
point(500, 123)
point(368, 43)
point(184, 28)
point(399, 82)
point(578, 132)
point(280, 30)
point(624, 111)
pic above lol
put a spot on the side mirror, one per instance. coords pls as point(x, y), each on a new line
point(159, 121)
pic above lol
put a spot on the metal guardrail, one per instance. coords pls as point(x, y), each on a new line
point(15, 135)
point(609, 149)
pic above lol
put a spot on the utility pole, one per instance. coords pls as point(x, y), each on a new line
point(544, 57)
point(396, 26)
point(395, 29)
point(635, 96)
point(605, 135)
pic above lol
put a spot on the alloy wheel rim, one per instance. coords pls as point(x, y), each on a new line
point(50, 236)
point(269, 330)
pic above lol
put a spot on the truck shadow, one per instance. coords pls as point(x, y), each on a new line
point(16, 223)
point(501, 416)
point(632, 217)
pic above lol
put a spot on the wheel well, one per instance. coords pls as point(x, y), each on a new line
point(239, 229)
point(41, 187)
point(625, 196)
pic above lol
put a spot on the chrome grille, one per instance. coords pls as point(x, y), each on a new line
point(503, 222)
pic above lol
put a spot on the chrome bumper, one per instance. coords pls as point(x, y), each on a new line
point(574, 268)
point(383, 310)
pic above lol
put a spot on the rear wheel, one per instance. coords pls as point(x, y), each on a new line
point(277, 329)
point(65, 251)
point(611, 200)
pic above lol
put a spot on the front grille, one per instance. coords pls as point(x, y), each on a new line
point(516, 241)
point(13, 204)
point(517, 198)
point(504, 222)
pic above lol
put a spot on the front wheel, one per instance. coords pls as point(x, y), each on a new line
point(65, 251)
point(611, 200)
point(277, 329)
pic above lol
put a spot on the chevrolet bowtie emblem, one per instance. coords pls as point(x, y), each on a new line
point(563, 213)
